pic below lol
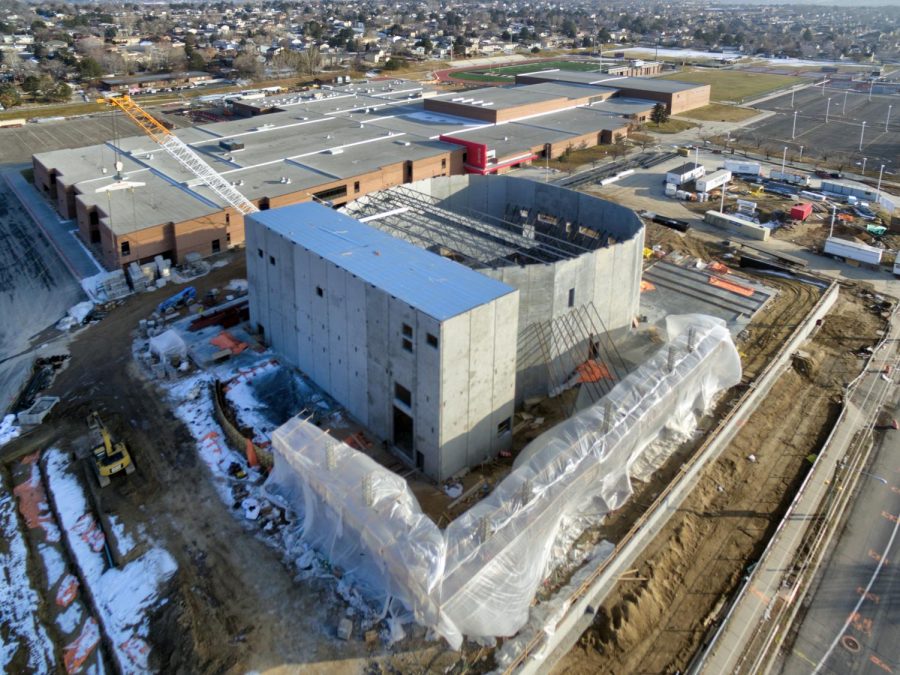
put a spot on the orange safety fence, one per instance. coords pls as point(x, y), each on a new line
point(731, 286)
point(33, 503)
point(67, 591)
point(80, 649)
point(593, 371)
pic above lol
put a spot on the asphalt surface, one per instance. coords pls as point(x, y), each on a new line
point(839, 138)
point(853, 622)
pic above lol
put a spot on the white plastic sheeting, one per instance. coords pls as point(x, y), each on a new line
point(478, 577)
point(168, 345)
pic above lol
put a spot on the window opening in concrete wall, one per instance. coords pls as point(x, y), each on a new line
point(403, 431)
point(259, 250)
point(431, 340)
point(356, 186)
point(271, 259)
point(407, 345)
point(320, 291)
point(504, 427)
point(125, 248)
point(403, 395)
point(216, 246)
point(571, 297)
point(407, 330)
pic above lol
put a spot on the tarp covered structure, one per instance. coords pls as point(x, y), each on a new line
point(168, 345)
point(478, 577)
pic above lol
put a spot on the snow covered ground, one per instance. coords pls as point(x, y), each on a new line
point(19, 601)
point(124, 596)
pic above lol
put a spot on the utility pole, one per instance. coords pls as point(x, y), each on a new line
point(844, 109)
point(794, 128)
point(865, 159)
point(833, 214)
point(862, 132)
point(722, 203)
point(792, 96)
point(783, 160)
point(827, 110)
point(878, 189)
point(887, 119)
point(871, 84)
point(801, 154)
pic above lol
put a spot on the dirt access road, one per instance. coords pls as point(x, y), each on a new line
point(233, 605)
point(654, 621)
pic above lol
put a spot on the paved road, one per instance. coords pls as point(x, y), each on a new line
point(847, 630)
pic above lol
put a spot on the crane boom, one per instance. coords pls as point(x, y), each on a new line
point(181, 152)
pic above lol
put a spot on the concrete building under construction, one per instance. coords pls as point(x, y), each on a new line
point(441, 304)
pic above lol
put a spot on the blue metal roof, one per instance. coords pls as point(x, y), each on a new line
point(439, 287)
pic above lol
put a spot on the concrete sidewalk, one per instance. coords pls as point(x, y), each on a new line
point(767, 590)
point(60, 233)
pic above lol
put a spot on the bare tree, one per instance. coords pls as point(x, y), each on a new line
point(310, 61)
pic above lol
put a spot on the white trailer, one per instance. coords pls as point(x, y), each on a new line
point(714, 180)
point(743, 168)
point(685, 173)
point(791, 177)
point(852, 250)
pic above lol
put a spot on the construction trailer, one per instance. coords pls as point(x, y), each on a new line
point(738, 225)
point(790, 177)
point(685, 173)
point(714, 180)
point(749, 169)
point(852, 250)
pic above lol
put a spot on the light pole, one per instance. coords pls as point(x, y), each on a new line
point(827, 110)
point(801, 154)
point(783, 160)
point(878, 189)
point(865, 159)
point(888, 118)
point(792, 96)
point(794, 128)
point(862, 131)
point(833, 214)
point(844, 109)
point(871, 84)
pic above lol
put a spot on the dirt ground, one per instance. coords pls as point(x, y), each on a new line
point(233, 605)
point(655, 621)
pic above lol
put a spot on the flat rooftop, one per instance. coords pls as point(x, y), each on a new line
point(434, 285)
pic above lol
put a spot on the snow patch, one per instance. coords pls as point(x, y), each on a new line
point(8, 429)
point(123, 596)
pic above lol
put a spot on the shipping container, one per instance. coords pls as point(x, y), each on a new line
point(852, 250)
point(743, 168)
point(801, 211)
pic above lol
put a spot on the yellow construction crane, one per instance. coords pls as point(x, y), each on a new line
point(181, 152)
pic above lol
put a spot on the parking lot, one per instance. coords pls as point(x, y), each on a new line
point(18, 145)
point(838, 141)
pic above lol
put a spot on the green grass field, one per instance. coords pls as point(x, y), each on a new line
point(506, 74)
point(734, 85)
point(719, 112)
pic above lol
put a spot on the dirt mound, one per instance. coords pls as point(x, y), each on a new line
point(657, 616)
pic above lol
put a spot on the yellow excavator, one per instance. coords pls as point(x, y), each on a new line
point(109, 457)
